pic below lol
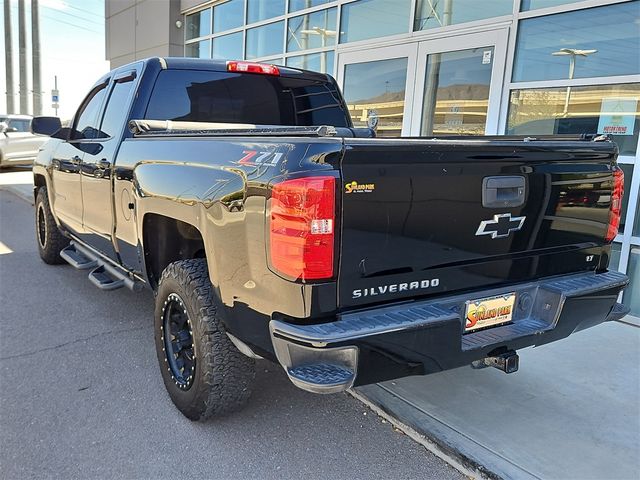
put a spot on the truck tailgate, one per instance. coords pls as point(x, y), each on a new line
point(414, 224)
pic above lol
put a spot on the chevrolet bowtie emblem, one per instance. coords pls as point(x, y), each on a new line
point(501, 225)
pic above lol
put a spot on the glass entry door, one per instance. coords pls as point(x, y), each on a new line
point(458, 85)
point(378, 86)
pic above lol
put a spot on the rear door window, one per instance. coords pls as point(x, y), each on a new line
point(118, 105)
point(204, 96)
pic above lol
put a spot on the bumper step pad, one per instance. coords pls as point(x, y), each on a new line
point(321, 376)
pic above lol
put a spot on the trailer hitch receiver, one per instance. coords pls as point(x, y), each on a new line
point(508, 362)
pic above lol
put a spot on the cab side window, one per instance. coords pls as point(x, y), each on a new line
point(117, 107)
point(85, 126)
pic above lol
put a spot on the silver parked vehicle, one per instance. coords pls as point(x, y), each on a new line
point(18, 146)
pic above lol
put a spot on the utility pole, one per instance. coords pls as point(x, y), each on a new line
point(22, 55)
point(35, 58)
point(8, 57)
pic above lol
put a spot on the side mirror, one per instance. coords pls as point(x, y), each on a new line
point(45, 125)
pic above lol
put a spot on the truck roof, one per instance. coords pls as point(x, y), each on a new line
point(14, 116)
point(184, 63)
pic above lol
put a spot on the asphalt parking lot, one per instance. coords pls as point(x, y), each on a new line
point(81, 396)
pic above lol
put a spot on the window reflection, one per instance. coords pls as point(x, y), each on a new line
point(295, 5)
point(373, 18)
point(227, 47)
point(631, 295)
point(439, 13)
point(589, 109)
point(198, 24)
point(614, 261)
point(319, 62)
point(264, 41)
point(612, 50)
point(636, 223)
point(263, 9)
point(628, 176)
point(228, 15)
point(312, 31)
point(533, 4)
point(198, 49)
point(456, 96)
point(375, 94)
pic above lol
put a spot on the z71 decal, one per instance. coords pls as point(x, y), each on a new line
point(269, 159)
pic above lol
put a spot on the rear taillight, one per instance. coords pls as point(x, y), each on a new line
point(615, 209)
point(252, 67)
point(302, 228)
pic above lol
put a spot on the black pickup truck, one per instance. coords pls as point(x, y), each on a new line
point(267, 226)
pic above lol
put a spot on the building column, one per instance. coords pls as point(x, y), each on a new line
point(22, 55)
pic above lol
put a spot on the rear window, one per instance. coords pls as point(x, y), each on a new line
point(200, 96)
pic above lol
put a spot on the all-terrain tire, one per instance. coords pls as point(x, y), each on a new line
point(219, 379)
point(49, 238)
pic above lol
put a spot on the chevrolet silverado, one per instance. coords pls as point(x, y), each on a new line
point(268, 227)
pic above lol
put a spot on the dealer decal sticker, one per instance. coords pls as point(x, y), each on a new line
point(355, 187)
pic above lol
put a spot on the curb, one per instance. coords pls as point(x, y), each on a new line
point(441, 440)
point(453, 457)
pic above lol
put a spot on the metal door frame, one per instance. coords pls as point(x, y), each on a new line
point(409, 51)
point(498, 39)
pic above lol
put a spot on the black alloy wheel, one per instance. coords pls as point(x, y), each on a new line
point(41, 226)
point(49, 238)
point(180, 357)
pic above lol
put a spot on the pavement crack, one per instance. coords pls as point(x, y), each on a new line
point(71, 342)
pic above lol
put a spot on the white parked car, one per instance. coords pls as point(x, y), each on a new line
point(18, 146)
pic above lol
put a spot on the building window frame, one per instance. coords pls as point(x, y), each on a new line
point(626, 239)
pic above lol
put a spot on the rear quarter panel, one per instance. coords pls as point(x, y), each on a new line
point(220, 186)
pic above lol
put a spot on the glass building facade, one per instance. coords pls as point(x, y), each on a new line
point(433, 67)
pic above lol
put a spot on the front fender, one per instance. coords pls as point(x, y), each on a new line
point(42, 173)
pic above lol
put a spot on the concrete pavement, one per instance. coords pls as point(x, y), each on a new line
point(69, 408)
point(81, 395)
point(570, 412)
point(19, 181)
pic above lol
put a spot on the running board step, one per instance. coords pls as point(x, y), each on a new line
point(76, 259)
point(102, 279)
point(103, 274)
point(321, 377)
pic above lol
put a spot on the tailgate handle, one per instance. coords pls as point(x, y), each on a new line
point(500, 192)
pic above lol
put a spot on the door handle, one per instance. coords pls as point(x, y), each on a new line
point(503, 191)
point(103, 164)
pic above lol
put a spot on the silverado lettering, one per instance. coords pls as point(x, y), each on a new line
point(164, 180)
point(395, 287)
